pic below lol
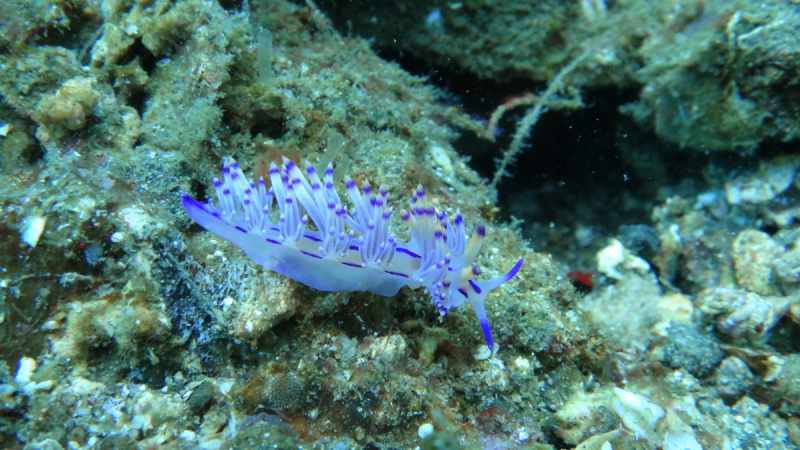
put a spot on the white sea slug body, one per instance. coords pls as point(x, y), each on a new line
point(365, 258)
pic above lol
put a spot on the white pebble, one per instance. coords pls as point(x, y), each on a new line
point(425, 430)
point(34, 226)
point(27, 366)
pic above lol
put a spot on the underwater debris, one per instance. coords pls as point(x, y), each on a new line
point(738, 312)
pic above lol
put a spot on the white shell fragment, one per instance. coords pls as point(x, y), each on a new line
point(425, 430)
point(615, 256)
point(27, 366)
point(442, 159)
point(637, 413)
point(650, 421)
point(482, 353)
point(32, 231)
point(136, 218)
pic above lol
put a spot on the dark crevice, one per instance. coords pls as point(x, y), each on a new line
point(771, 229)
point(578, 161)
point(52, 36)
point(137, 99)
point(74, 37)
point(155, 375)
point(198, 190)
point(231, 5)
point(147, 60)
point(135, 57)
point(785, 337)
point(34, 153)
point(267, 125)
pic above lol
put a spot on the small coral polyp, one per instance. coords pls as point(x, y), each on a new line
point(332, 258)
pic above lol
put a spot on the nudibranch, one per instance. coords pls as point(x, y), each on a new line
point(349, 250)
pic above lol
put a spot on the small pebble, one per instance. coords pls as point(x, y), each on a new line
point(425, 430)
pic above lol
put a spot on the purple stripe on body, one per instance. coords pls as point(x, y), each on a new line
point(407, 252)
point(310, 254)
point(273, 241)
point(396, 273)
point(352, 264)
point(312, 238)
point(463, 292)
point(241, 229)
